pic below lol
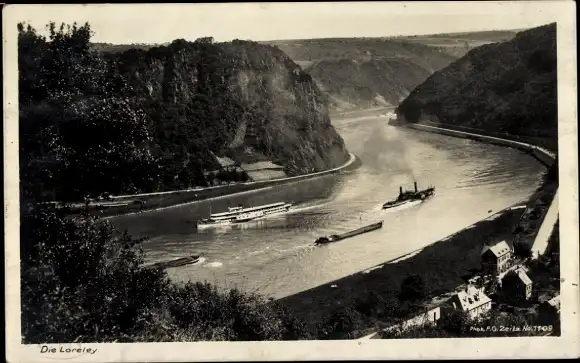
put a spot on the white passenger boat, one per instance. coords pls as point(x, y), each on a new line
point(240, 214)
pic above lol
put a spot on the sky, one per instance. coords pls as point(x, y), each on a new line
point(161, 23)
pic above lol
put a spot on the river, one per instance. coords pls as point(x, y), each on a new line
point(276, 257)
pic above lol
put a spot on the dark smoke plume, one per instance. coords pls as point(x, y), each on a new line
point(387, 153)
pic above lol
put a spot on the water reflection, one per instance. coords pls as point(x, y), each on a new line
point(276, 256)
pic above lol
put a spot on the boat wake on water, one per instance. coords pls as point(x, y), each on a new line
point(214, 264)
point(402, 206)
point(307, 207)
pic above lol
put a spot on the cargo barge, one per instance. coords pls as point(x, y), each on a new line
point(339, 237)
point(410, 196)
point(177, 262)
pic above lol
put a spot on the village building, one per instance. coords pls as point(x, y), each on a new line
point(264, 170)
point(549, 311)
point(471, 300)
point(226, 164)
point(495, 259)
point(517, 285)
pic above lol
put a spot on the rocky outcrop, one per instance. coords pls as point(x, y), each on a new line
point(243, 100)
point(508, 87)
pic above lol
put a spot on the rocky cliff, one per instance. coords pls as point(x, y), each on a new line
point(240, 99)
point(508, 87)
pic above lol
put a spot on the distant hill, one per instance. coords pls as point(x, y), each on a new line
point(458, 44)
point(505, 87)
point(119, 48)
point(368, 72)
point(376, 82)
point(364, 72)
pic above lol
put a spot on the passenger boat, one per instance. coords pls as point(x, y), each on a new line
point(240, 214)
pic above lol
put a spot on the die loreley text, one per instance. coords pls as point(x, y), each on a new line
point(52, 350)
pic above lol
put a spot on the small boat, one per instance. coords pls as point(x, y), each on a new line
point(240, 214)
point(339, 237)
point(410, 196)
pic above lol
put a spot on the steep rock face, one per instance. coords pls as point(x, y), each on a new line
point(376, 82)
point(504, 87)
point(241, 99)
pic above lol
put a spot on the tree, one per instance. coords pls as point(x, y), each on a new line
point(455, 322)
point(522, 249)
point(412, 288)
point(75, 113)
point(343, 324)
point(84, 281)
point(81, 281)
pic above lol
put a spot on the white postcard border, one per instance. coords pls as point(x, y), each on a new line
point(468, 348)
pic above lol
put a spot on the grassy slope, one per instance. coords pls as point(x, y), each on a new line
point(370, 72)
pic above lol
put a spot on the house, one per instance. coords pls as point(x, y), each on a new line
point(495, 258)
point(226, 165)
point(549, 311)
point(516, 285)
point(471, 300)
point(225, 162)
point(264, 170)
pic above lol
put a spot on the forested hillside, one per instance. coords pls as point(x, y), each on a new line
point(147, 120)
point(376, 82)
point(365, 72)
point(84, 132)
point(508, 87)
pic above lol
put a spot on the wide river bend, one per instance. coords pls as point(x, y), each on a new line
point(276, 257)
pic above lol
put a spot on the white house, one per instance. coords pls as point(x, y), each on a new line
point(471, 300)
point(495, 258)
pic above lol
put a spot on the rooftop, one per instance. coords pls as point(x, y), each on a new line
point(469, 299)
point(498, 249)
point(225, 161)
point(260, 165)
point(523, 276)
point(555, 302)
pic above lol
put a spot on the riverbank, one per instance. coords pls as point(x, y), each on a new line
point(369, 300)
point(142, 203)
point(543, 149)
point(442, 266)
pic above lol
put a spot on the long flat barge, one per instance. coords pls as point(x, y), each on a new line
point(177, 262)
point(356, 232)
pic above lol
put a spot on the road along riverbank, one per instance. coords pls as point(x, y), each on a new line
point(542, 154)
point(141, 203)
point(370, 298)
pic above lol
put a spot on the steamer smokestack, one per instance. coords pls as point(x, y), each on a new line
point(415, 183)
point(400, 190)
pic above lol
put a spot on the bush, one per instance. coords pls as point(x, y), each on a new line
point(83, 281)
point(343, 324)
point(522, 249)
point(412, 288)
point(455, 322)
